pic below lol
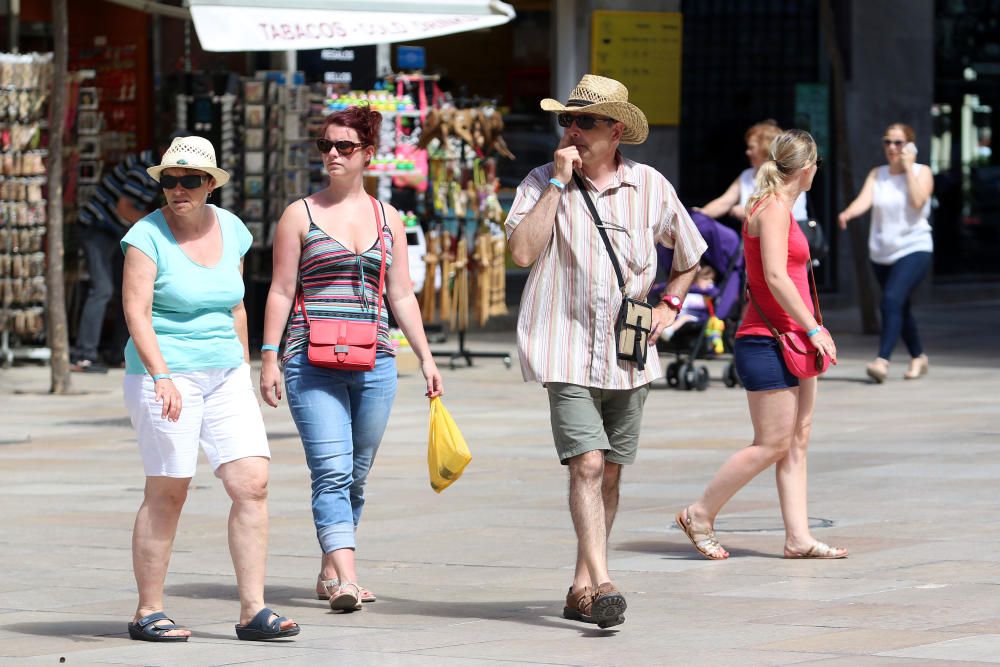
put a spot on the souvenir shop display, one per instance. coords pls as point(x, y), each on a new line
point(25, 86)
point(466, 246)
point(443, 154)
point(215, 117)
point(107, 120)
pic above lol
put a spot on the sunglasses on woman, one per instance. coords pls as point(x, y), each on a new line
point(188, 182)
point(898, 143)
point(345, 148)
point(583, 122)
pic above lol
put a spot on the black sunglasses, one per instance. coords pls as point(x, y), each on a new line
point(345, 148)
point(898, 143)
point(819, 162)
point(582, 121)
point(188, 182)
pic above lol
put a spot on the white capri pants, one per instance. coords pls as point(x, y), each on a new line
point(219, 412)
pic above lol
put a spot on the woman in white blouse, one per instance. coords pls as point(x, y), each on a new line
point(900, 244)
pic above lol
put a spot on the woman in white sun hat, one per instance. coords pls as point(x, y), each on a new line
point(187, 384)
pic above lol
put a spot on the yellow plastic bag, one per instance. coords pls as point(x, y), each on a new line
point(447, 453)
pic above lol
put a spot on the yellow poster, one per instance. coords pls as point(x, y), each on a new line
point(643, 51)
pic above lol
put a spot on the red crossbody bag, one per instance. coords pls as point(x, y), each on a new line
point(343, 344)
point(802, 359)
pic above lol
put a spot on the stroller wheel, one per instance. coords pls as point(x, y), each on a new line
point(701, 378)
point(729, 377)
point(689, 377)
point(673, 378)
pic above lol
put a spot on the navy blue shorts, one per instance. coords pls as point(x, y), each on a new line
point(760, 365)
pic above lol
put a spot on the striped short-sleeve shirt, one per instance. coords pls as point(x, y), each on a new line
point(565, 328)
point(127, 179)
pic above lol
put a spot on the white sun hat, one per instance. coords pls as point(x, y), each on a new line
point(191, 153)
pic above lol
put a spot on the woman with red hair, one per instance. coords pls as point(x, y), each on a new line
point(327, 263)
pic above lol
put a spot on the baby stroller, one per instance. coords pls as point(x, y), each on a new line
point(700, 337)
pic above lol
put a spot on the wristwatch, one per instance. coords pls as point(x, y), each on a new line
point(673, 301)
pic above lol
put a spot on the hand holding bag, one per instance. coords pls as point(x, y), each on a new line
point(635, 318)
point(345, 344)
point(802, 359)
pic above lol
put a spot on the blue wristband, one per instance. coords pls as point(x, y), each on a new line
point(814, 331)
point(161, 376)
point(268, 348)
point(556, 182)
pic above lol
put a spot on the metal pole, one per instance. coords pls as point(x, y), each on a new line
point(14, 25)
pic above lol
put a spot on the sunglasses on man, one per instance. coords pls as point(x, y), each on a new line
point(188, 182)
point(345, 148)
point(583, 121)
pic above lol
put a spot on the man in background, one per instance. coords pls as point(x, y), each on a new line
point(125, 195)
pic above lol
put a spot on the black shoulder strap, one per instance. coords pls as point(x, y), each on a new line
point(308, 212)
point(600, 228)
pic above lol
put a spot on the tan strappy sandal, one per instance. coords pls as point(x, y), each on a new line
point(346, 598)
point(325, 588)
point(819, 550)
point(704, 542)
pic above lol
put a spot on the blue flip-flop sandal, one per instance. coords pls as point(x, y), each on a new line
point(145, 629)
point(258, 629)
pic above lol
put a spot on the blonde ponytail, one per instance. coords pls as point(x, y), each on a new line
point(790, 152)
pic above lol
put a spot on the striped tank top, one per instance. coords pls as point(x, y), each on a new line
point(338, 284)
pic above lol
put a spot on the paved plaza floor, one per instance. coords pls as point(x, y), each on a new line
point(906, 475)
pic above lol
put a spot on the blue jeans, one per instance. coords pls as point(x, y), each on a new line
point(898, 282)
point(101, 249)
point(341, 416)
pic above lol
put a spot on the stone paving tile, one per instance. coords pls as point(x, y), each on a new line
point(884, 661)
point(818, 589)
point(983, 648)
point(860, 641)
point(882, 615)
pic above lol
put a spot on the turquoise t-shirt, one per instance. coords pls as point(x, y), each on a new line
point(192, 304)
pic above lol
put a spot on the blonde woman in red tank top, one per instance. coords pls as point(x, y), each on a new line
point(781, 405)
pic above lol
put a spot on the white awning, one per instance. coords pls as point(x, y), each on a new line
point(285, 25)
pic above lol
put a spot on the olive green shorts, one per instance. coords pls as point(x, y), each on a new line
point(585, 419)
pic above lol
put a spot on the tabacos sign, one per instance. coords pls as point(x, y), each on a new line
point(228, 28)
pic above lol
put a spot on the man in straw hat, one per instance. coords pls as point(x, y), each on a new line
point(565, 331)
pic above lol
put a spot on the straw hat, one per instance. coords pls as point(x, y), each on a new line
point(602, 96)
point(191, 153)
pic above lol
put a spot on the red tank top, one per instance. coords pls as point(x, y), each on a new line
point(798, 271)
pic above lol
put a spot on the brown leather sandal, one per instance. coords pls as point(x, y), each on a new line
point(579, 607)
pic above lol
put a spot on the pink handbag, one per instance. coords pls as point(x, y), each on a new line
point(342, 344)
point(802, 359)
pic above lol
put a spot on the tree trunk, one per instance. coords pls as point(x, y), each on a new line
point(856, 233)
point(58, 332)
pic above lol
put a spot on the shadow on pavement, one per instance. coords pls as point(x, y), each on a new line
point(684, 551)
point(77, 631)
point(536, 613)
